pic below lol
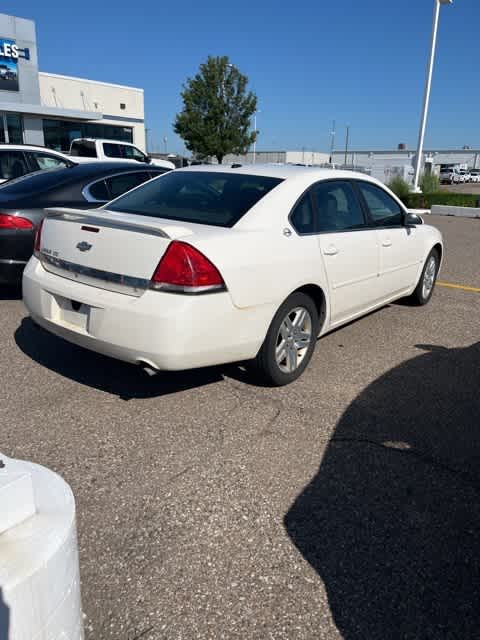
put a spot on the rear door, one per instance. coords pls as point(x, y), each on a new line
point(400, 247)
point(349, 249)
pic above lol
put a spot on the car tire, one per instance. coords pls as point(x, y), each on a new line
point(290, 341)
point(424, 289)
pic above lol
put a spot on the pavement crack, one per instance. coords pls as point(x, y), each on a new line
point(180, 474)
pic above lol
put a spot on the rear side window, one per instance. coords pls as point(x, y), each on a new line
point(204, 197)
point(118, 185)
point(84, 149)
point(384, 210)
point(302, 217)
point(98, 191)
point(112, 150)
point(155, 174)
point(12, 165)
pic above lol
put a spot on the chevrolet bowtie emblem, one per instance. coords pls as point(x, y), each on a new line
point(84, 246)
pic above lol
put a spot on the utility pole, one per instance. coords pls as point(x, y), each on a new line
point(347, 138)
point(332, 142)
point(147, 131)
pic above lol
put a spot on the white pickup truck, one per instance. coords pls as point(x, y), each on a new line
point(91, 149)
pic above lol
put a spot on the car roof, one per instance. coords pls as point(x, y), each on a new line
point(49, 179)
point(130, 144)
point(282, 171)
point(29, 147)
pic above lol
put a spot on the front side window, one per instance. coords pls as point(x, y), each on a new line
point(338, 207)
point(12, 165)
point(203, 197)
point(132, 153)
point(118, 185)
point(46, 161)
point(384, 210)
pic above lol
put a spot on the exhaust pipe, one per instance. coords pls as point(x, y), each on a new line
point(149, 368)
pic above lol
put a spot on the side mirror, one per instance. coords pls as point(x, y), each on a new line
point(148, 159)
point(412, 220)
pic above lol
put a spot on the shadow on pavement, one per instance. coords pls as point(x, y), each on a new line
point(391, 521)
point(4, 618)
point(103, 373)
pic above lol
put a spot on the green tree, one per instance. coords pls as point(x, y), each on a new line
point(217, 109)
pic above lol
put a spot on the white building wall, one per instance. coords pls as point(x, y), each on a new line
point(306, 157)
point(89, 95)
point(266, 157)
point(384, 165)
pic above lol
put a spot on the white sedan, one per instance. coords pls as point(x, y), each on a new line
point(214, 264)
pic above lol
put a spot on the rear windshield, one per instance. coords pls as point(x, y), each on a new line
point(212, 198)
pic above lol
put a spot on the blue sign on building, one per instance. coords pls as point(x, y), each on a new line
point(9, 54)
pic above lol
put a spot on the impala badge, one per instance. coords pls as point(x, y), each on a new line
point(84, 246)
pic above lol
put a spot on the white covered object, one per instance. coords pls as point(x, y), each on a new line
point(39, 574)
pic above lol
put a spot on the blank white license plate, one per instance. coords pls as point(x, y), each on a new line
point(71, 313)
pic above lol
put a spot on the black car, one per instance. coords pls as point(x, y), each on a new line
point(83, 186)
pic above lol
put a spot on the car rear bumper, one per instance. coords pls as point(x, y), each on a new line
point(16, 247)
point(164, 330)
point(11, 271)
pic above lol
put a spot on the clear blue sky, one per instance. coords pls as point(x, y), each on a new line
point(360, 62)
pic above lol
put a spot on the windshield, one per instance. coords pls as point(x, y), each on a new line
point(212, 198)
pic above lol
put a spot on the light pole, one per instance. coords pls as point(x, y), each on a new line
point(428, 86)
point(332, 145)
point(347, 139)
point(255, 141)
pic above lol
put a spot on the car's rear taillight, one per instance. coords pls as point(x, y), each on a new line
point(38, 237)
point(184, 269)
point(14, 222)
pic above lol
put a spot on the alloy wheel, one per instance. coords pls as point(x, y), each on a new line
point(293, 339)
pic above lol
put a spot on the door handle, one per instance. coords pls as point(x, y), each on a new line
point(387, 242)
point(331, 250)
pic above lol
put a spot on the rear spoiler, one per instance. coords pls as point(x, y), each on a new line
point(87, 218)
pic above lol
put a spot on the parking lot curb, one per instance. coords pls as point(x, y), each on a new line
point(462, 212)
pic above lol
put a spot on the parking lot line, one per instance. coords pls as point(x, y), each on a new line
point(458, 286)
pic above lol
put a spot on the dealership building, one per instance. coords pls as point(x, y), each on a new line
point(383, 165)
point(49, 109)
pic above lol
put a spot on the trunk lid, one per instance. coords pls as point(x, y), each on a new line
point(113, 251)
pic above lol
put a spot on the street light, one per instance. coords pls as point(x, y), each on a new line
point(428, 86)
point(255, 141)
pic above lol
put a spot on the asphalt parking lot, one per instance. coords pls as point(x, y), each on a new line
point(343, 506)
point(470, 187)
